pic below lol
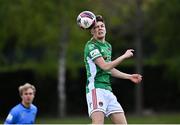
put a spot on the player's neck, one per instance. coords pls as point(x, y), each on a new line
point(26, 105)
point(101, 39)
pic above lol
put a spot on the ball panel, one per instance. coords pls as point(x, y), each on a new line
point(86, 19)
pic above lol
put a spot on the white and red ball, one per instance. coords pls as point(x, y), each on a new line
point(86, 19)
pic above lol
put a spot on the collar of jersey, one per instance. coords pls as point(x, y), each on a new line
point(95, 40)
point(25, 107)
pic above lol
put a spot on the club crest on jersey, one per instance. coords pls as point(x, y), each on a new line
point(90, 104)
point(100, 104)
point(94, 52)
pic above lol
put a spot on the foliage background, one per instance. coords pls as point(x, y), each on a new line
point(30, 45)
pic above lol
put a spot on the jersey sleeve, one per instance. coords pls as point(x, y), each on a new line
point(35, 115)
point(93, 52)
point(11, 118)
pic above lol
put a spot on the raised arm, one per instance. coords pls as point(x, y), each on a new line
point(110, 65)
point(136, 78)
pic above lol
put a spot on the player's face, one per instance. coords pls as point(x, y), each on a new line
point(99, 30)
point(27, 96)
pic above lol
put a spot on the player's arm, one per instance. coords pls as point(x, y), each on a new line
point(10, 118)
point(136, 78)
point(107, 66)
point(35, 115)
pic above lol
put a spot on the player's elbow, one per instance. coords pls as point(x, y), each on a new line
point(106, 67)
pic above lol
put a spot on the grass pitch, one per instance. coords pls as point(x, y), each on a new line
point(132, 119)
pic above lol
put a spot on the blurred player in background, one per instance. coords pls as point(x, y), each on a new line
point(99, 67)
point(25, 112)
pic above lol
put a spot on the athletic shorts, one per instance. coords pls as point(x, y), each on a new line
point(102, 100)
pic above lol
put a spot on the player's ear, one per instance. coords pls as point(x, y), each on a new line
point(21, 96)
point(92, 31)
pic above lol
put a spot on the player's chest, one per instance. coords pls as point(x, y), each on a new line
point(27, 117)
point(106, 53)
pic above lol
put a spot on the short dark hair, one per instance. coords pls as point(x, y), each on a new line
point(99, 18)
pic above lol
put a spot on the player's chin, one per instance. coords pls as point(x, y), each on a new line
point(29, 101)
point(101, 36)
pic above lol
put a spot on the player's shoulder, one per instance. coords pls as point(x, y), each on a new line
point(33, 107)
point(16, 109)
point(90, 45)
point(88, 48)
point(108, 43)
point(90, 42)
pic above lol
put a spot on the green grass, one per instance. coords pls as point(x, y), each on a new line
point(132, 119)
point(155, 119)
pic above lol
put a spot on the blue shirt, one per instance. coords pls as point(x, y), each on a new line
point(21, 115)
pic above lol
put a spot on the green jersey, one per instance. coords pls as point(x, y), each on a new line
point(96, 77)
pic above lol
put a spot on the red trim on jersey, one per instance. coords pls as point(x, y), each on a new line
point(94, 99)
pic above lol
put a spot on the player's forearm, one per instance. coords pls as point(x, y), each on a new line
point(118, 74)
point(110, 65)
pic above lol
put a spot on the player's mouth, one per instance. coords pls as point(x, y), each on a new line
point(100, 33)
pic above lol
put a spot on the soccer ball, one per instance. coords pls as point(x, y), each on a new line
point(86, 19)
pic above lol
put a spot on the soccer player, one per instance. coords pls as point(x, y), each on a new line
point(99, 67)
point(25, 112)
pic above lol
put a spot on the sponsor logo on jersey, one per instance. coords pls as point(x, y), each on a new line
point(94, 52)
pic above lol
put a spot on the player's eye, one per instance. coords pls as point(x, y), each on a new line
point(96, 27)
point(28, 93)
point(102, 26)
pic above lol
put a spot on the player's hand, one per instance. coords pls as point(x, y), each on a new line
point(128, 53)
point(136, 78)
